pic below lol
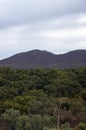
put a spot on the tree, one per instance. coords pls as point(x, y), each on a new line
point(62, 104)
point(32, 122)
point(81, 126)
point(10, 117)
point(65, 126)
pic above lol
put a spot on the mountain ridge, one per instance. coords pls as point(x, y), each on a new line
point(44, 59)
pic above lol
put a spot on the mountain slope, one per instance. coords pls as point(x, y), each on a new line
point(44, 59)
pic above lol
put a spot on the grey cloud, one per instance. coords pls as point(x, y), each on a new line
point(14, 12)
point(29, 24)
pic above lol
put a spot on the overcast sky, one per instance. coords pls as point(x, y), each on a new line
point(57, 26)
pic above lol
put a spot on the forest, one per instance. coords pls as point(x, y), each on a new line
point(43, 99)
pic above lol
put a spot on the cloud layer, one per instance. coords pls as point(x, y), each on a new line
point(56, 26)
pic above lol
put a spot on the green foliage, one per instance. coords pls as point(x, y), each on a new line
point(65, 126)
point(81, 126)
point(28, 98)
point(83, 94)
point(10, 117)
point(29, 122)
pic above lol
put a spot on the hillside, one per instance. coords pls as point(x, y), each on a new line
point(44, 59)
point(30, 99)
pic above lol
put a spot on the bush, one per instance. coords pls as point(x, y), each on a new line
point(81, 126)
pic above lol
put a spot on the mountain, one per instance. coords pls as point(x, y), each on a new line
point(44, 59)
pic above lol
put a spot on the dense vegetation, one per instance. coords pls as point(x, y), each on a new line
point(32, 99)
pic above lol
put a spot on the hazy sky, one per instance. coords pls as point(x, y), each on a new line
point(54, 25)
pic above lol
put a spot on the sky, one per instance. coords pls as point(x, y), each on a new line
point(57, 26)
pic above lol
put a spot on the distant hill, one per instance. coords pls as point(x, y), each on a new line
point(44, 59)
